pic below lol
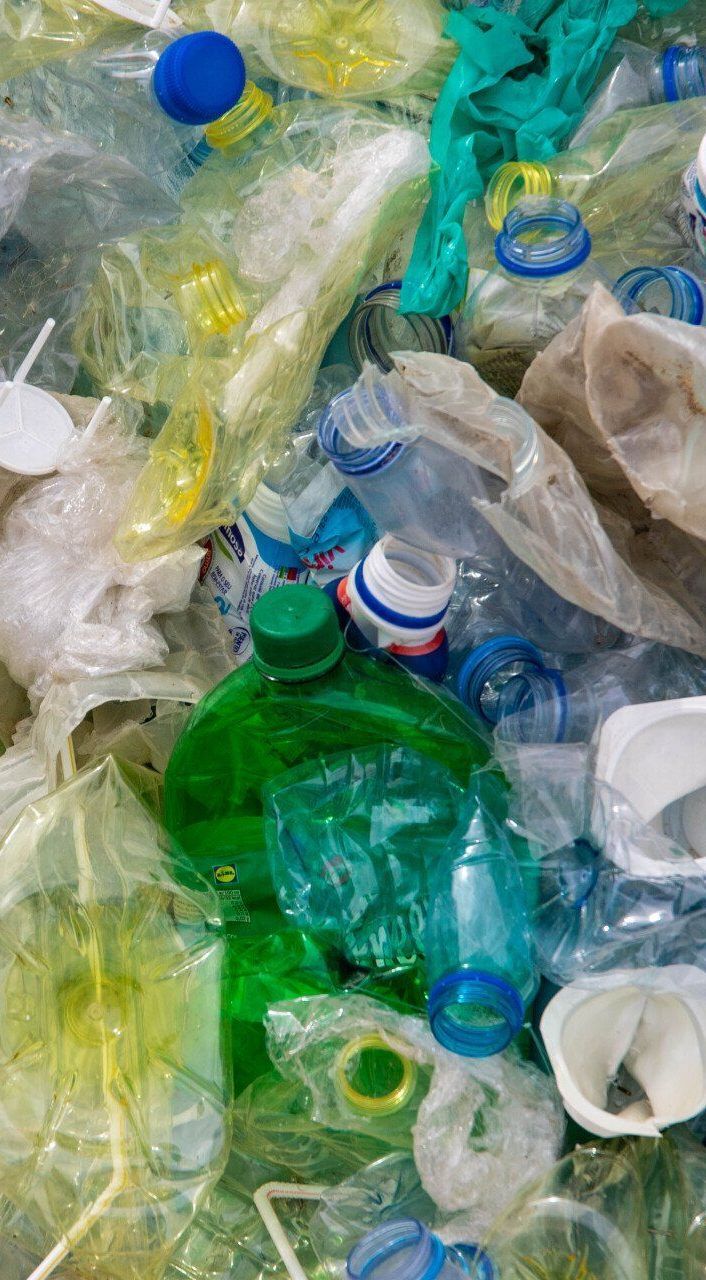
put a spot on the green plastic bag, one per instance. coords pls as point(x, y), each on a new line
point(516, 90)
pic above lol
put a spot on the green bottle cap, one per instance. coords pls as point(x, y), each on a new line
point(295, 633)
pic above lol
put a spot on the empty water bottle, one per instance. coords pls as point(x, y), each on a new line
point(145, 99)
point(541, 281)
point(642, 77)
point(480, 963)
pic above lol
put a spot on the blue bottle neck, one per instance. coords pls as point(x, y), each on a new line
point(683, 69)
point(533, 707)
point(400, 1250)
point(475, 1013)
point(351, 416)
point(665, 291)
point(542, 237)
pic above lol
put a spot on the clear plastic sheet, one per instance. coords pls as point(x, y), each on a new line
point(542, 510)
point(478, 1128)
point(75, 608)
point(116, 944)
point(229, 425)
point(60, 197)
point(351, 840)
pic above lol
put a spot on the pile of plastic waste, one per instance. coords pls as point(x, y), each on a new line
point(353, 640)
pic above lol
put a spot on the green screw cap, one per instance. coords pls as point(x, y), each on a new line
point(295, 633)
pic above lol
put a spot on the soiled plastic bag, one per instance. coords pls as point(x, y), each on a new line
point(478, 1129)
point(115, 1096)
point(229, 424)
point(626, 396)
point(351, 838)
point(543, 514)
point(60, 198)
point(75, 608)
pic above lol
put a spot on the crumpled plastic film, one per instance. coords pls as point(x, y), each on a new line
point(229, 424)
point(626, 396)
point(115, 1095)
point(516, 89)
point(504, 1110)
point(545, 515)
point(376, 49)
point(76, 608)
point(60, 197)
point(351, 839)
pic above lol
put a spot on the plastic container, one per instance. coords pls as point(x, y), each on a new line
point(480, 965)
point(405, 1250)
point(244, 560)
point(301, 696)
point(643, 77)
point(396, 599)
point(541, 281)
point(146, 99)
point(672, 292)
point(694, 202)
point(377, 329)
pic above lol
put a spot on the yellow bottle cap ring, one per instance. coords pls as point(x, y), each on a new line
point(384, 1104)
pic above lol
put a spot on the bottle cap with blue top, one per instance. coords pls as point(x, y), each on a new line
point(199, 77)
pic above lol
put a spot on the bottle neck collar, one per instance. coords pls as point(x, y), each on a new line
point(664, 291)
point(684, 72)
point(402, 1250)
point(350, 417)
point(542, 237)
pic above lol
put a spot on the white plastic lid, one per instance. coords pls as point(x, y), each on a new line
point(701, 165)
point(404, 580)
point(34, 429)
point(650, 1023)
point(266, 511)
point(654, 754)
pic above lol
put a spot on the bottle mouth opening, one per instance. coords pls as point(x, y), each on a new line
point(542, 237)
point(684, 72)
point(400, 1250)
point(533, 707)
point(377, 329)
point(475, 1260)
point(664, 291)
point(254, 107)
point(353, 1056)
point(488, 661)
point(404, 586)
point(510, 184)
point(474, 1013)
point(209, 298)
point(352, 409)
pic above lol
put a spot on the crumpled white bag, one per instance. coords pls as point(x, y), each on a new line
point(636, 1034)
point(69, 605)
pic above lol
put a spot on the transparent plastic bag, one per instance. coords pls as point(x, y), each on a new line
point(476, 1128)
point(60, 199)
point(525, 488)
point(76, 608)
point(227, 427)
point(350, 839)
point(117, 943)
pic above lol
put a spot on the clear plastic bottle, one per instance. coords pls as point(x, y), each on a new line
point(643, 77)
point(144, 98)
point(541, 281)
point(480, 962)
point(567, 706)
point(672, 292)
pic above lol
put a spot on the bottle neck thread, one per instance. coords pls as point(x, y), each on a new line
point(511, 183)
point(377, 329)
point(475, 1013)
point(533, 707)
point(542, 237)
point(351, 417)
point(237, 125)
point(209, 299)
point(665, 291)
point(401, 1250)
point(684, 72)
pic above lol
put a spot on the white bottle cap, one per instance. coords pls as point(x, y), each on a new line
point(266, 511)
point(649, 1022)
point(395, 578)
point(654, 754)
point(34, 427)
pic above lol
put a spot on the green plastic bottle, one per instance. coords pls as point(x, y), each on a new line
point(300, 696)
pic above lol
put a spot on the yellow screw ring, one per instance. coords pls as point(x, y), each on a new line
point(388, 1102)
point(510, 183)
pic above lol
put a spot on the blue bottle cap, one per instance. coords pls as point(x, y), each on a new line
point(487, 661)
point(500, 1006)
point(199, 77)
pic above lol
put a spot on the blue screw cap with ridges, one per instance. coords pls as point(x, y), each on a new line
point(199, 77)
